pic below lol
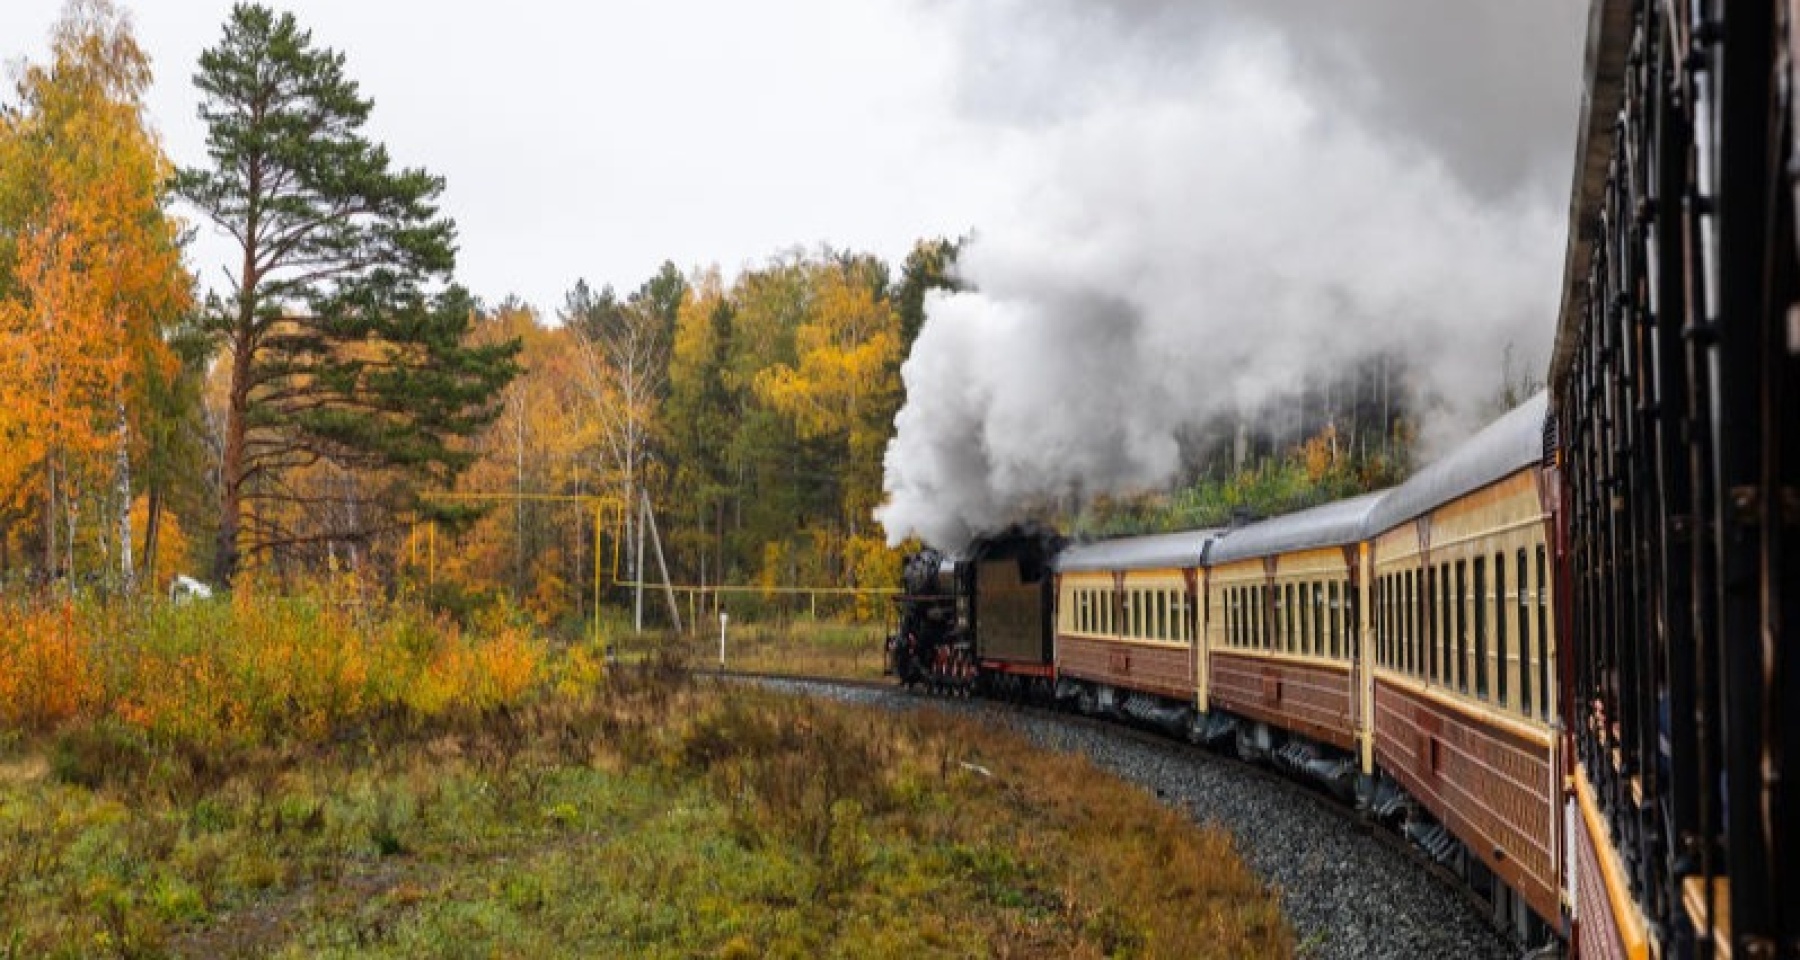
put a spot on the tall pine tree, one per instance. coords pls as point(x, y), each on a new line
point(348, 344)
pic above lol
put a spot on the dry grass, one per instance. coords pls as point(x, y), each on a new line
point(639, 814)
point(798, 647)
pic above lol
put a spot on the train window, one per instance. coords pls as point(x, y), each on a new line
point(1396, 621)
point(1251, 623)
point(1162, 616)
point(1351, 626)
point(1409, 602)
point(1381, 638)
point(1384, 606)
point(1308, 639)
point(1524, 636)
point(1500, 646)
point(1462, 625)
point(1242, 610)
point(1266, 617)
point(1446, 637)
point(1336, 614)
point(1230, 616)
point(1288, 627)
point(1318, 617)
point(1543, 641)
point(1391, 599)
point(1384, 619)
point(1431, 630)
point(1253, 610)
point(1478, 612)
point(1277, 628)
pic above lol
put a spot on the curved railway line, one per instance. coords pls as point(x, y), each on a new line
point(1351, 887)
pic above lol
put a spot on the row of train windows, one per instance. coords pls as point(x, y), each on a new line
point(1314, 618)
point(1436, 624)
point(1141, 613)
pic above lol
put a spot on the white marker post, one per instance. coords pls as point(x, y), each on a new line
point(723, 619)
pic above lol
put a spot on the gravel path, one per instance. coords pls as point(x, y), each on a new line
point(1347, 894)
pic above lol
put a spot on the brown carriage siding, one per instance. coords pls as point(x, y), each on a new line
point(1165, 670)
point(1490, 786)
point(1312, 699)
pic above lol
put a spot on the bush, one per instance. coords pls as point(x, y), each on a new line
point(252, 668)
point(98, 754)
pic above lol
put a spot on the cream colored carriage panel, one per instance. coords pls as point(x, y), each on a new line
point(1157, 606)
point(1233, 588)
point(1084, 602)
point(1475, 553)
point(1497, 509)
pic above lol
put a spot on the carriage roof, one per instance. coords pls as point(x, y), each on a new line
point(1330, 525)
point(1154, 552)
point(1502, 448)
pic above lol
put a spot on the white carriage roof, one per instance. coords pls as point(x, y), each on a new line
point(1162, 551)
point(1502, 448)
point(1330, 525)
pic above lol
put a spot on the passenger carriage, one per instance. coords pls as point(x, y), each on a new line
point(1128, 625)
point(1461, 696)
point(1283, 635)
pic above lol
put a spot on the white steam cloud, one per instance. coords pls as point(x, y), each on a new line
point(1210, 209)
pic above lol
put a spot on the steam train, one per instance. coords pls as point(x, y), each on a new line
point(1564, 659)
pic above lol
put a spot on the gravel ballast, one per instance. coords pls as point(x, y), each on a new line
point(1347, 893)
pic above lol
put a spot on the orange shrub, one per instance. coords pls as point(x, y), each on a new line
point(46, 671)
point(256, 666)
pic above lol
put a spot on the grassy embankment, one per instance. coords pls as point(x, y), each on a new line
point(285, 777)
point(814, 648)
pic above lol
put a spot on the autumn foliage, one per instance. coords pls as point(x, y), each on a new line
point(254, 668)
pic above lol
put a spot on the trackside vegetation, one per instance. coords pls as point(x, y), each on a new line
point(198, 782)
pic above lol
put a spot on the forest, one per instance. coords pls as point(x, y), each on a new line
point(340, 403)
point(342, 392)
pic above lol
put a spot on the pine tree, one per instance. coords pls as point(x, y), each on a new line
point(347, 344)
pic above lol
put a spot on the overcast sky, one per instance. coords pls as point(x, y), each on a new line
point(597, 140)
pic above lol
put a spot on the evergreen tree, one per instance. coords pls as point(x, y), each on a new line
point(347, 343)
point(928, 267)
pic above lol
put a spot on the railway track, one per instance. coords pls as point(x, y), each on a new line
point(1351, 887)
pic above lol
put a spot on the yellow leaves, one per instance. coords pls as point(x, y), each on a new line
point(257, 667)
point(95, 269)
point(848, 352)
point(1320, 453)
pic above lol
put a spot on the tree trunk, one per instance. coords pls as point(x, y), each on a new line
point(231, 467)
point(152, 532)
point(122, 469)
point(50, 518)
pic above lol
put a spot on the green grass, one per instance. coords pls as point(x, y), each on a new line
point(652, 816)
point(805, 647)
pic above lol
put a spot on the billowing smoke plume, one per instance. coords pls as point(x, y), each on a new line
point(1215, 206)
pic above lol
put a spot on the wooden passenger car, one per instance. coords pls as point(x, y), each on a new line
point(1282, 637)
point(1462, 687)
point(1128, 615)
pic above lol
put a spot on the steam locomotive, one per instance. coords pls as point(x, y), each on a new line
point(1565, 658)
